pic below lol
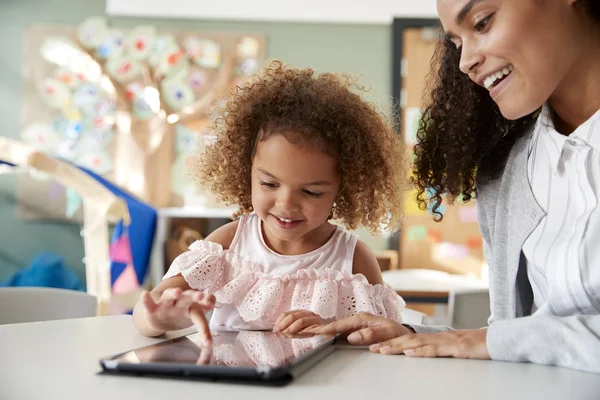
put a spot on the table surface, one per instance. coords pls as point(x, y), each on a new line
point(422, 280)
point(59, 360)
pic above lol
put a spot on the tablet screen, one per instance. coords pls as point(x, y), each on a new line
point(232, 349)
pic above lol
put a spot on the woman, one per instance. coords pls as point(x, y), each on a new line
point(512, 116)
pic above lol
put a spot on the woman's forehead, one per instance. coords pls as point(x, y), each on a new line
point(453, 12)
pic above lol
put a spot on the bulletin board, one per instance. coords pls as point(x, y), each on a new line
point(453, 245)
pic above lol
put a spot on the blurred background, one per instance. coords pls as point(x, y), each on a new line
point(118, 91)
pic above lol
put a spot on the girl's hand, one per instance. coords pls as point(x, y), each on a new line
point(457, 344)
point(296, 321)
point(178, 309)
point(363, 329)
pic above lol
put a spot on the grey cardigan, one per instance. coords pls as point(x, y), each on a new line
point(507, 214)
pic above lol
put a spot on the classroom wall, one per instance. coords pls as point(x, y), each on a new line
point(330, 11)
point(361, 49)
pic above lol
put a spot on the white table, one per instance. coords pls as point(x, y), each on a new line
point(59, 360)
point(427, 280)
point(438, 288)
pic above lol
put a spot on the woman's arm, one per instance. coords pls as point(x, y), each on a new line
point(572, 342)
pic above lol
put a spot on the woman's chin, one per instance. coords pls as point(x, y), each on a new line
point(513, 111)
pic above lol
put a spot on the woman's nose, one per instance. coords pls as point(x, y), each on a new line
point(470, 58)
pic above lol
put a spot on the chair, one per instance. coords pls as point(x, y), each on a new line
point(468, 308)
point(32, 304)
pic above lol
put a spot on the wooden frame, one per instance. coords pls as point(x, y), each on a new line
point(100, 206)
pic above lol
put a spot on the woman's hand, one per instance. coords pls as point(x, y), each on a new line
point(457, 344)
point(178, 309)
point(363, 329)
point(296, 321)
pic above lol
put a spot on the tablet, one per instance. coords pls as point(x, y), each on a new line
point(241, 356)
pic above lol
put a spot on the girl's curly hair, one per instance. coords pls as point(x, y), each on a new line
point(326, 110)
point(462, 134)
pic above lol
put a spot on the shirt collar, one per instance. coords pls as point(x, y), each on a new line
point(554, 142)
point(589, 131)
point(551, 142)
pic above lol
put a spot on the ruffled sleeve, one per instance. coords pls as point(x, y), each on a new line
point(329, 294)
point(204, 266)
point(260, 298)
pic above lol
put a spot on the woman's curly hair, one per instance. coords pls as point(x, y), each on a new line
point(461, 126)
point(326, 110)
point(462, 135)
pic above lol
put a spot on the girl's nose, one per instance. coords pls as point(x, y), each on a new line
point(286, 201)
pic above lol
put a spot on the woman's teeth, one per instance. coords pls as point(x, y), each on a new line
point(491, 80)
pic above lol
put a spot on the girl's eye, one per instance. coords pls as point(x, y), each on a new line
point(313, 194)
point(269, 185)
point(482, 24)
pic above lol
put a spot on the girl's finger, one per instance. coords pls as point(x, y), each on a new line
point(205, 355)
point(184, 302)
point(283, 315)
point(148, 302)
point(199, 319)
point(170, 294)
point(309, 329)
point(169, 297)
point(208, 301)
point(197, 296)
point(302, 323)
point(288, 319)
point(347, 325)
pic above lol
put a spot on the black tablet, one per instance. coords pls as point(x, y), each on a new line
point(242, 356)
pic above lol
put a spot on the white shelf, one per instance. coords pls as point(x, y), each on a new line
point(196, 212)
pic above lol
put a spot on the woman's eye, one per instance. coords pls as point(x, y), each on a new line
point(269, 185)
point(482, 24)
point(454, 43)
point(313, 194)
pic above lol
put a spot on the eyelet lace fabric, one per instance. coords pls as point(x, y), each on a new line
point(258, 296)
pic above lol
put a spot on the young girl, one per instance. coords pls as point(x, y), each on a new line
point(294, 150)
point(514, 114)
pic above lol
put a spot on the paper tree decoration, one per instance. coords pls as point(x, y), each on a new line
point(113, 97)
